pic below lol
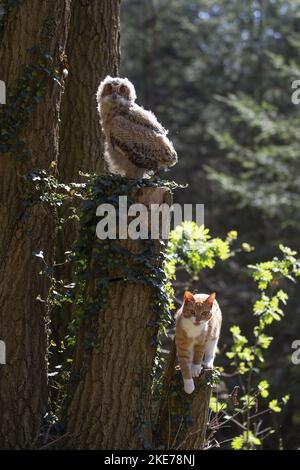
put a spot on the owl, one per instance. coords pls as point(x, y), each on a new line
point(136, 144)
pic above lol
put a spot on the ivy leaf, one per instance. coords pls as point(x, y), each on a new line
point(38, 254)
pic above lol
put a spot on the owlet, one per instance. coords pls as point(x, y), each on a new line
point(136, 144)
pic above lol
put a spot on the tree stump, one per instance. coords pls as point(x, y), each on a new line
point(182, 418)
point(110, 390)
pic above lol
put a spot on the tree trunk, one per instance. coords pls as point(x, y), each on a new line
point(109, 405)
point(92, 53)
point(34, 34)
point(182, 418)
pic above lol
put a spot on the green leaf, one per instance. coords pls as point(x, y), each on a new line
point(247, 440)
point(285, 399)
point(264, 341)
point(274, 406)
point(263, 387)
point(249, 401)
point(237, 442)
point(216, 406)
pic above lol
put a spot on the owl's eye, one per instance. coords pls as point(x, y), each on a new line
point(123, 90)
point(108, 89)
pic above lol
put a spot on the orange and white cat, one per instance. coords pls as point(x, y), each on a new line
point(198, 325)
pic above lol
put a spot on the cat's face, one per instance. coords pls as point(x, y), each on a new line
point(196, 309)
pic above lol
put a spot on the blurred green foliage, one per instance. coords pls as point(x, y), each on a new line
point(192, 249)
point(219, 75)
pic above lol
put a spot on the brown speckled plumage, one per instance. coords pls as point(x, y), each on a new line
point(136, 143)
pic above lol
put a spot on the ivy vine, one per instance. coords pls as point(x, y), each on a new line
point(145, 267)
point(29, 89)
point(97, 258)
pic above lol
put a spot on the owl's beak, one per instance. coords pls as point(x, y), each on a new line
point(114, 95)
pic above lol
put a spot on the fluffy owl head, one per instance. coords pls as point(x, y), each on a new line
point(115, 90)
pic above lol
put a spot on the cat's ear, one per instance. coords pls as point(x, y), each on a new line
point(188, 297)
point(210, 299)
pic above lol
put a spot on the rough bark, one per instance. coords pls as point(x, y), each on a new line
point(92, 53)
point(182, 419)
point(27, 225)
point(109, 405)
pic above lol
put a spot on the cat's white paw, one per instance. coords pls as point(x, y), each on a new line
point(208, 365)
point(189, 386)
point(196, 370)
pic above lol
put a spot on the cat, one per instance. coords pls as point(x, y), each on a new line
point(198, 325)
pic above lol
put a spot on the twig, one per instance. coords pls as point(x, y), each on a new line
point(55, 440)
